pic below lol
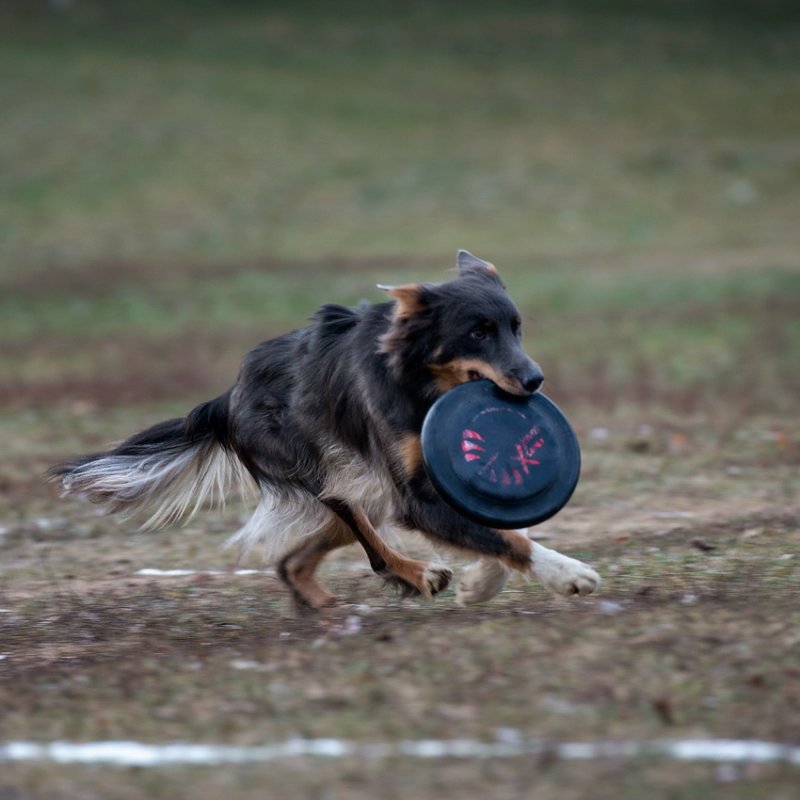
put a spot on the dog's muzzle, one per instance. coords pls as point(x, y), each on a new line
point(529, 377)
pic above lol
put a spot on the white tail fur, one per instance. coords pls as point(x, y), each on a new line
point(170, 484)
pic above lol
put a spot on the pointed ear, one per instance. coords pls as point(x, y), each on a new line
point(409, 298)
point(466, 262)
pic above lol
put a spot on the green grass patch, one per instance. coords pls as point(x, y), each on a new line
point(230, 132)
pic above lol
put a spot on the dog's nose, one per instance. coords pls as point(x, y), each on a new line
point(531, 378)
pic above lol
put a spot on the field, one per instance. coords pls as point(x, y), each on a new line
point(182, 180)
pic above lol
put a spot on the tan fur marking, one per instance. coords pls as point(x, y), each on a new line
point(299, 565)
point(455, 372)
point(409, 569)
point(409, 299)
point(520, 550)
point(313, 591)
point(410, 451)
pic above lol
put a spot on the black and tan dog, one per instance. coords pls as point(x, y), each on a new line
point(324, 423)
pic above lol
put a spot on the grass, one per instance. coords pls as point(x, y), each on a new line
point(666, 337)
point(179, 182)
point(214, 177)
point(243, 131)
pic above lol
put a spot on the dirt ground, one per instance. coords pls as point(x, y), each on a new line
point(694, 633)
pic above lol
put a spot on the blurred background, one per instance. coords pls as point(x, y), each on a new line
point(182, 179)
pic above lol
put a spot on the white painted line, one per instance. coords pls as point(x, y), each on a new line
point(140, 754)
point(180, 573)
point(673, 514)
point(166, 573)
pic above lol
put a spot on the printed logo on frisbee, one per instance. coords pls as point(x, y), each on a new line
point(504, 453)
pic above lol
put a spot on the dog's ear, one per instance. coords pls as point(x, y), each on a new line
point(466, 262)
point(410, 298)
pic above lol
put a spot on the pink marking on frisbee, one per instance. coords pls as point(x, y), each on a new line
point(524, 459)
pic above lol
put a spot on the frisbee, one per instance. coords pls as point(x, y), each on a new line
point(499, 459)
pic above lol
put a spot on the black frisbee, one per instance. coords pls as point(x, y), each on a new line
point(499, 459)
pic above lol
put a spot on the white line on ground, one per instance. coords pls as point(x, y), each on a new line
point(511, 745)
point(179, 573)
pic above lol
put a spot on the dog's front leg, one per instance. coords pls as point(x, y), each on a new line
point(503, 550)
point(558, 573)
point(562, 574)
point(423, 509)
point(412, 577)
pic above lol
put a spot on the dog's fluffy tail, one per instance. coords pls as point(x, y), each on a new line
point(169, 471)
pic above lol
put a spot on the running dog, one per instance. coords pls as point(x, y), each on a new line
point(323, 423)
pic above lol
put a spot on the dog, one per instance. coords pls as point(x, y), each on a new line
point(323, 423)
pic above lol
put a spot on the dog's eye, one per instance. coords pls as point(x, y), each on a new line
point(483, 330)
point(516, 327)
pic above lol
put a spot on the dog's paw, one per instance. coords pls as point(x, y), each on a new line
point(482, 581)
point(561, 574)
point(435, 578)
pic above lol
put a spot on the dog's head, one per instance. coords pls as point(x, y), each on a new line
point(465, 329)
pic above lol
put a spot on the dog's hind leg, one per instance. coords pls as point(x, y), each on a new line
point(296, 569)
point(411, 576)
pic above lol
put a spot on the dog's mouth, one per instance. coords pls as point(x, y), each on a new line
point(452, 373)
point(507, 386)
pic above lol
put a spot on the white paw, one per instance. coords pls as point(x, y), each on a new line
point(435, 578)
point(562, 574)
point(482, 581)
